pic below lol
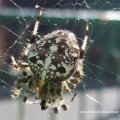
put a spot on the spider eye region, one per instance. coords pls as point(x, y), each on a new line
point(53, 57)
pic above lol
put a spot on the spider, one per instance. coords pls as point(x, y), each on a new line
point(55, 65)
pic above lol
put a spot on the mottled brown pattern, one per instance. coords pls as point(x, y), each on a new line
point(42, 53)
point(61, 47)
point(61, 70)
point(47, 45)
point(33, 59)
point(60, 51)
point(58, 58)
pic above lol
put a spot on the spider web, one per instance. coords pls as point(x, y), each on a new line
point(101, 62)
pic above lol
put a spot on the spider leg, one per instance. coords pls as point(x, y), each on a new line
point(22, 66)
point(62, 103)
point(65, 87)
point(78, 75)
point(72, 99)
point(18, 66)
point(58, 104)
point(43, 104)
point(56, 110)
point(84, 44)
point(79, 65)
point(16, 89)
point(70, 84)
point(21, 81)
point(25, 96)
point(33, 38)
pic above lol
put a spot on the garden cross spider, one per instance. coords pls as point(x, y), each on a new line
point(56, 64)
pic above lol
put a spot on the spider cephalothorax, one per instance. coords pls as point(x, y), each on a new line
point(56, 64)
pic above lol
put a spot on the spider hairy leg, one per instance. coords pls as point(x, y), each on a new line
point(33, 38)
point(56, 110)
point(85, 40)
point(79, 73)
point(72, 99)
point(43, 104)
point(62, 103)
point(73, 81)
point(21, 65)
point(15, 90)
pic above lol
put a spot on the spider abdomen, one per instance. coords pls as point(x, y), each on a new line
point(53, 57)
